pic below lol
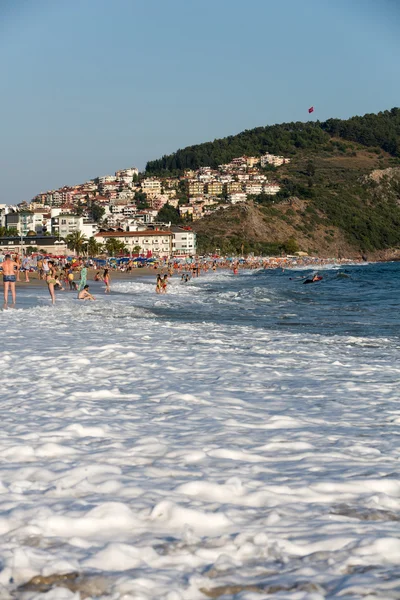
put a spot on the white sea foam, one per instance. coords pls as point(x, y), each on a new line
point(175, 457)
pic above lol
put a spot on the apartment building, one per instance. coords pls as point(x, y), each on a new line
point(271, 189)
point(195, 188)
point(251, 161)
point(237, 197)
point(151, 186)
point(24, 221)
point(214, 188)
point(153, 242)
point(253, 188)
point(234, 186)
point(272, 159)
point(183, 242)
point(66, 223)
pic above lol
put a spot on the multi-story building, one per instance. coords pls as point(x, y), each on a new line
point(183, 242)
point(186, 210)
point(251, 161)
point(151, 186)
point(234, 186)
point(237, 197)
point(54, 198)
point(271, 189)
point(106, 178)
point(214, 188)
point(24, 221)
point(253, 188)
point(126, 175)
point(195, 188)
point(272, 159)
point(64, 224)
point(150, 242)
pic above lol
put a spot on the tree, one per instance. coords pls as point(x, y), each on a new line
point(94, 248)
point(141, 200)
point(8, 232)
point(97, 212)
point(136, 249)
point(291, 246)
point(76, 241)
point(169, 214)
point(310, 168)
point(31, 249)
point(114, 246)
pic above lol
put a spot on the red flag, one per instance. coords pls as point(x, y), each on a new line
point(311, 109)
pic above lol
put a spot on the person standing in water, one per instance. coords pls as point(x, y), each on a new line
point(106, 279)
point(159, 284)
point(51, 281)
point(83, 278)
point(26, 265)
point(9, 279)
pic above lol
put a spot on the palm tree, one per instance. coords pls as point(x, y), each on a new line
point(93, 247)
point(76, 241)
point(114, 246)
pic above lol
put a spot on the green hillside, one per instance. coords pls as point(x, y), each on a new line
point(380, 131)
point(343, 181)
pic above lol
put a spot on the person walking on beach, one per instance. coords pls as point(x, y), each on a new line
point(9, 278)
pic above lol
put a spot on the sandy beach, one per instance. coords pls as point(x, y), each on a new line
point(115, 275)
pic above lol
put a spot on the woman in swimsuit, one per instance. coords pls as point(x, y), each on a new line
point(158, 285)
point(51, 281)
point(106, 279)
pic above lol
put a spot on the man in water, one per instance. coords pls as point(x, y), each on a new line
point(85, 294)
point(9, 278)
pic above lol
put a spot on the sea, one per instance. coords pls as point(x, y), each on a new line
point(237, 437)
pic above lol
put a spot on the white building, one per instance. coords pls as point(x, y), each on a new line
point(183, 242)
point(253, 188)
point(151, 186)
point(156, 243)
point(106, 179)
point(24, 221)
point(271, 189)
point(127, 173)
point(64, 224)
point(237, 197)
point(273, 159)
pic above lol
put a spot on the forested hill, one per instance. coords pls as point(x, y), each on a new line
point(380, 131)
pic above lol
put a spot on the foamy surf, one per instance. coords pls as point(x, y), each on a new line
point(167, 457)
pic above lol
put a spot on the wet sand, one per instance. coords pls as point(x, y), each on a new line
point(114, 276)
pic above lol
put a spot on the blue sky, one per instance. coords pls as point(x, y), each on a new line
point(91, 86)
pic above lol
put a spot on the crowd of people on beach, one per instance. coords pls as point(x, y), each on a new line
point(59, 272)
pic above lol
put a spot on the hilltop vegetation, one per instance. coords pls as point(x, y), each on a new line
point(380, 131)
point(329, 203)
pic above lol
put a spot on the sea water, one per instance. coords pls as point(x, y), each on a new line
point(237, 437)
